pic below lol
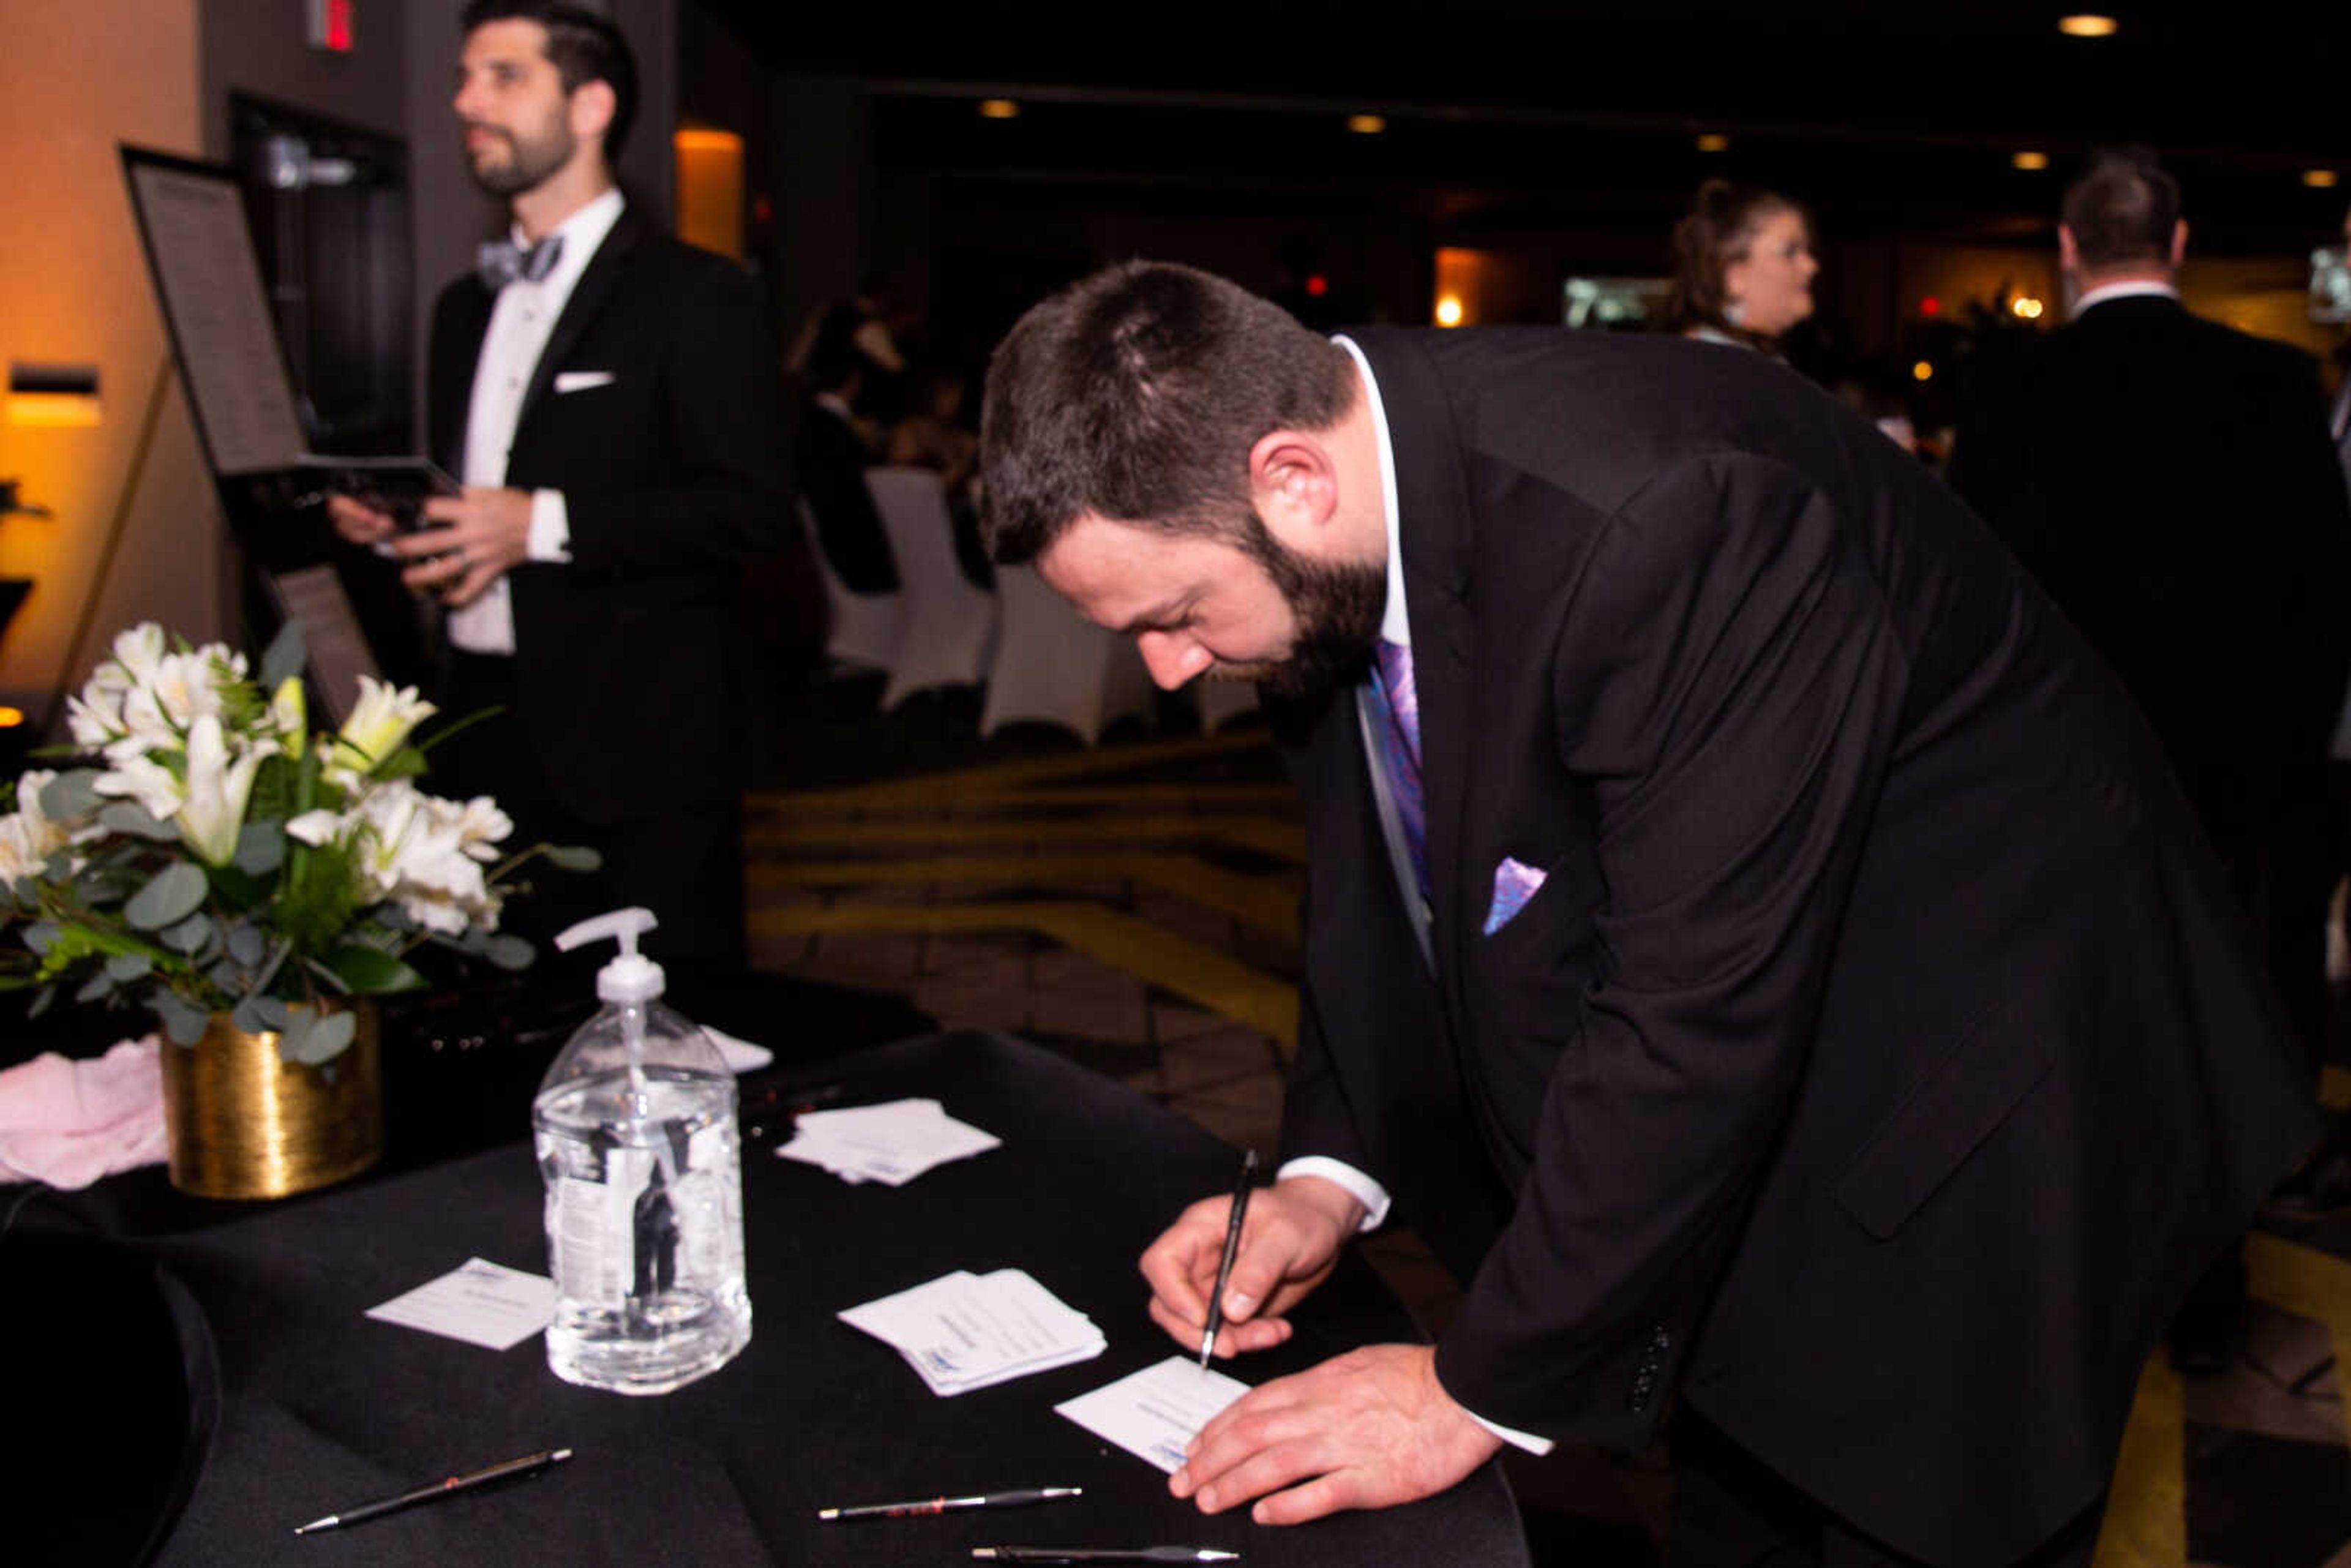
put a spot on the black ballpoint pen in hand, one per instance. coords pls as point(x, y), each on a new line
point(1239, 1211)
point(942, 1504)
point(529, 1464)
point(1104, 1554)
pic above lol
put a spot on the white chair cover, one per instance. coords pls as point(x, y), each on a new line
point(1055, 667)
point(949, 622)
point(865, 628)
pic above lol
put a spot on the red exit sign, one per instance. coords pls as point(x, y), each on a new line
point(331, 25)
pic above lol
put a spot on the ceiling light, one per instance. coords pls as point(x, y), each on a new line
point(2088, 24)
point(1714, 141)
point(2030, 160)
point(1922, 372)
point(2025, 308)
point(1449, 311)
point(1366, 124)
point(2319, 179)
point(999, 109)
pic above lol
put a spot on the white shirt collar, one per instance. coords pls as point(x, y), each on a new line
point(2132, 288)
point(1394, 625)
point(583, 232)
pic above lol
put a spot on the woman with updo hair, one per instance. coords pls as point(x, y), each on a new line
point(1743, 267)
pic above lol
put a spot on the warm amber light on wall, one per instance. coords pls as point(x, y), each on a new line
point(1449, 311)
point(2030, 160)
point(1366, 124)
point(999, 109)
point(710, 189)
point(2026, 307)
point(1922, 372)
point(52, 408)
point(1714, 141)
point(10, 717)
point(2319, 179)
point(2088, 24)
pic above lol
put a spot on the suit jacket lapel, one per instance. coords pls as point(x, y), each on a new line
point(456, 352)
point(1434, 510)
point(589, 296)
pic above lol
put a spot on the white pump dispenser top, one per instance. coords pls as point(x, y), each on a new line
point(630, 976)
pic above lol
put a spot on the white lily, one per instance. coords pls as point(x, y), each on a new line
point(317, 828)
point(29, 836)
point(379, 724)
point(290, 715)
point(137, 656)
point(218, 788)
point(140, 777)
point(481, 827)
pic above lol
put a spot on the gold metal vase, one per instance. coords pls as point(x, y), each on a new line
point(245, 1122)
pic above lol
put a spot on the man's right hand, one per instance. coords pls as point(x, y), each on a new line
point(1289, 1241)
point(357, 521)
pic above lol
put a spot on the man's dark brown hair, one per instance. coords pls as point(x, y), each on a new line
point(1137, 394)
point(2122, 208)
point(582, 47)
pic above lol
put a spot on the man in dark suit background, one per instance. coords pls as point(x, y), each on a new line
point(607, 396)
point(1748, 933)
point(2171, 483)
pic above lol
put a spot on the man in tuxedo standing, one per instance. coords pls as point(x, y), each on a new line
point(608, 397)
point(1748, 933)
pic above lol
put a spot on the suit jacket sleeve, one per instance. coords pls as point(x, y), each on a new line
point(1727, 676)
point(725, 498)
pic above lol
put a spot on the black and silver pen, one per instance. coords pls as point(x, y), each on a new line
point(942, 1504)
point(529, 1464)
point(1241, 1190)
point(1104, 1554)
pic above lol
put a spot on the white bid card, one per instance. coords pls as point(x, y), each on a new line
point(478, 1301)
point(964, 1331)
point(891, 1143)
point(1153, 1413)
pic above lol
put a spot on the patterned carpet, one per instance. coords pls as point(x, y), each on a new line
point(1135, 907)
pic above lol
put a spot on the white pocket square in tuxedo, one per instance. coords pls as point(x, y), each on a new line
point(1515, 882)
point(581, 380)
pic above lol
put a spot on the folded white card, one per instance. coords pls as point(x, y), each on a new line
point(581, 380)
point(893, 1143)
point(478, 1301)
point(1153, 1413)
point(964, 1331)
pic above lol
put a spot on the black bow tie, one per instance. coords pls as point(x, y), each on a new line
point(499, 262)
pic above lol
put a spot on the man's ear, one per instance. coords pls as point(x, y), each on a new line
point(2178, 241)
point(591, 107)
point(2069, 254)
point(1294, 485)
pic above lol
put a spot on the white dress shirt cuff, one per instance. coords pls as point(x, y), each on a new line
point(550, 526)
point(1339, 1173)
point(1527, 1441)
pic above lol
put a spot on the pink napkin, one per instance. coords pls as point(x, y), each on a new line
point(69, 1123)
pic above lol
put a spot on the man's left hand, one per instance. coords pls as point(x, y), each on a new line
point(1371, 1428)
point(481, 534)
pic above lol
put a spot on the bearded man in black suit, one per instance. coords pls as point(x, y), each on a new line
point(607, 395)
point(1748, 933)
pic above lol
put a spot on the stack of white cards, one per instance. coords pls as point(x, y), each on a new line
point(965, 1331)
point(893, 1143)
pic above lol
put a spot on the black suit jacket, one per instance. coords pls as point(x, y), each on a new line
point(2171, 483)
point(675, 473)
point(1881, 1055)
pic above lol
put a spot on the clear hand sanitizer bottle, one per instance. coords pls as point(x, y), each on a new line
point(634, 1126)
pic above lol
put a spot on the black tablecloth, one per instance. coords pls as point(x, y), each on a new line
point(321, 1408)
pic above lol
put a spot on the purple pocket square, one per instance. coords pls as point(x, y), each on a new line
point(1514, 883)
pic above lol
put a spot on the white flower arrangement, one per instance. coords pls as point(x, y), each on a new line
point(211, 854)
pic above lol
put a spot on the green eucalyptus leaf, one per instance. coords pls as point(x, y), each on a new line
point(130, 818)
point(285, 655)
point(247, 1016)
point(73, 793)
point(40, 935)
point(41, 1002)
point(189, 935)
point(181, 1019)
point(176, 893)
point(370, 971)
point(260, 847)
point(98, 986)
point(392, 918)
point(245, 942)
point(509, 952)
point(128, 966)
point(273, 1013)
point(574, 857)
point(326, 1038)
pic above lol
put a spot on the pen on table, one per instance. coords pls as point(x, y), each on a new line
point(1232, 1249)
point(529, 1464)
point(1104, 1554)
point(942, 1504)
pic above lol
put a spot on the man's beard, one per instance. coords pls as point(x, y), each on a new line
point(528, 164)
point(1337, 605)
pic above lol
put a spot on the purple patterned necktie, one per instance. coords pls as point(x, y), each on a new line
point(1399, 700)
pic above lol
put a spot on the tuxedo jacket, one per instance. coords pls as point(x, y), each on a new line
point(1880, 1056)
point(2170, 482)
point(656, 410)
